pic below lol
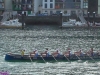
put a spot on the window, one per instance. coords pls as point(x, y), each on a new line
point(51, 0)
point(85, 1)
point(45, 0)
point(29, 1)
point(59, 5)
point(65, 12)
point(58, 0)
point(77, 5)
point(77, 0)
point(85, 5)
point(73, 0)
point(58, 12)
point(45, 5)
point(73, 12)
point(51, 12)
point(51, 5)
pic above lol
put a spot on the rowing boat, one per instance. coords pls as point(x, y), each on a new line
point(39, 57)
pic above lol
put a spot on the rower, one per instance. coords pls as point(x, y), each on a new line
point(57, 53)
point(46, 53)
point(79, 53)
point(34, 53)
point(67, 54)
point(90, 52)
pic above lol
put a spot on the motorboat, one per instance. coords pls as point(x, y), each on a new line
point(11, 24)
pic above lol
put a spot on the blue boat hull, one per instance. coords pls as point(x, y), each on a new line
point(15, 57)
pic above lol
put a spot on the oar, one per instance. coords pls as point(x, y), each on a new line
point(54, 57)
point(90, 57)
point(93, 60)
point(42, 58)
point(30, 58)
point(78, 57)
point(66, 58)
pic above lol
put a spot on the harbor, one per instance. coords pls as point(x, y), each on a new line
point(49, 37)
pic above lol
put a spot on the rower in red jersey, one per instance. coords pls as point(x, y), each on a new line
point(56, 54)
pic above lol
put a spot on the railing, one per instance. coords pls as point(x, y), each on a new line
point(81, 17)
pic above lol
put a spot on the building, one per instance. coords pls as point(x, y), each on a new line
point(23, 5)
point(51, 6)
point(93, 6)
point(65, 6)
point(48, 6)
point(2, 6)
point(99, 7)
point(84, 6)
point(37, 6)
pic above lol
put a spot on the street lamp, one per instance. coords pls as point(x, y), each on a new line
point(61, 19)
point(22, 19)
point(93, 18)
point(88, 16)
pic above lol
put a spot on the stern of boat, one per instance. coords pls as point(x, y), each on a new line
point(8, 57)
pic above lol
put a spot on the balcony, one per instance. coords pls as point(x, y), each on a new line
point(1, 6)
point(22, 7)
point(58, 1)
point(59, 5)
point(1, 1)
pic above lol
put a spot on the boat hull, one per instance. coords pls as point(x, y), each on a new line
point(16, 57)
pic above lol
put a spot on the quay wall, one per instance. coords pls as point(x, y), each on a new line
point(52, 20)
point(49, 20)
point(91, 19)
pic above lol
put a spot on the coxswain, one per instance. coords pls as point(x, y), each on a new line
point(22, 52)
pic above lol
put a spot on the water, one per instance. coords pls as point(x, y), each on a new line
point(41, 37)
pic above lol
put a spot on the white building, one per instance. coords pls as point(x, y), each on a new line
point(48, 6)
point(37, 5)
point(99, 7)
point(69, 6)
point(8, 5)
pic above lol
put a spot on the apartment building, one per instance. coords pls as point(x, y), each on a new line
point(93, 6)
point(23, 5)
point(37, 6)
point(65, 6)
point(84, 6)
point(99, 7)
point(2, 6)
point(48, 6)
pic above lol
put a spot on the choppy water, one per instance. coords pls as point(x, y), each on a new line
point(41, 37)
